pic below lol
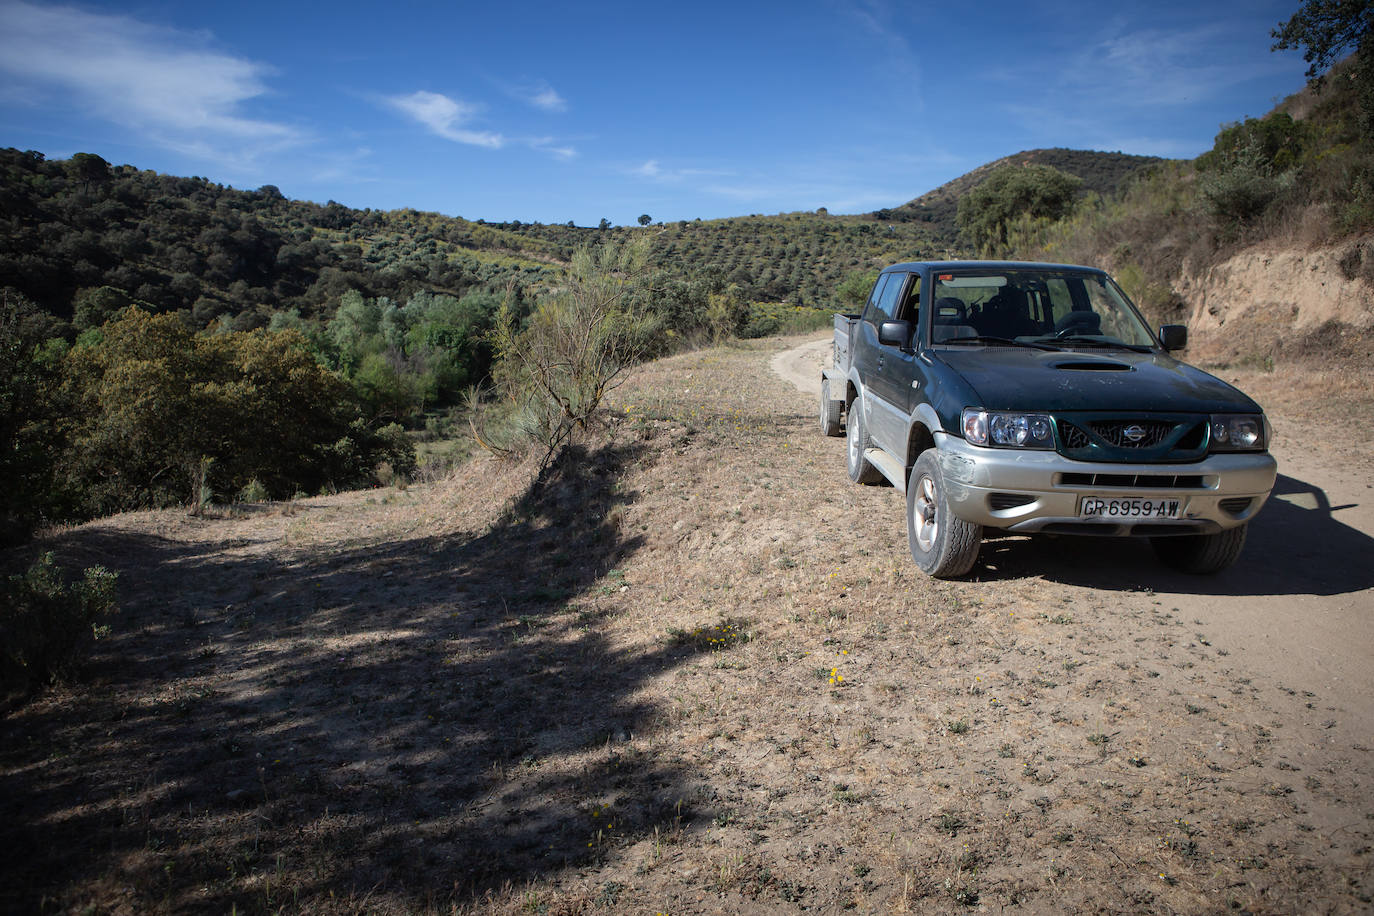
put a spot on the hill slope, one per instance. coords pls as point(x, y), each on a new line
point(81, 237)
point(1102, 173)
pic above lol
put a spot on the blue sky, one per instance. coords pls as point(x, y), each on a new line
point(552, 112)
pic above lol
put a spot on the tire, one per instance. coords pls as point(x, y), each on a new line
point(860, 471)
point(830, 411)
point(942, 544)
point(1201, 554)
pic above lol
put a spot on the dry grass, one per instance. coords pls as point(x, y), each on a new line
point(695, 672)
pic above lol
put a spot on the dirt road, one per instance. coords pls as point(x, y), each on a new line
point(1297, 609)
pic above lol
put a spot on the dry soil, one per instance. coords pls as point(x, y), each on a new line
point(693, 670)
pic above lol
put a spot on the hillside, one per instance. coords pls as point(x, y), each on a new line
point(696, 672)
point(1104, 174)
point(82, 237)
point(1264, 245)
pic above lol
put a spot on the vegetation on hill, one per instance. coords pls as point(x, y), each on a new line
point(1103, 174)
point(1325, 31)
point(82, 239)
point(1012, 192)
point(1303, 174)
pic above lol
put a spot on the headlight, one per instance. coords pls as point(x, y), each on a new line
point(1007, 430)
point(1240, 432)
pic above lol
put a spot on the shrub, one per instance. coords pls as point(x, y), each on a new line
point(1009, 193)
point(46, 624)
point(575, 347)
point(1238, 194)
point(254, 492)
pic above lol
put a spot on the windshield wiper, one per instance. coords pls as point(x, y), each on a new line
point(1006, 341)
point(1079, 340)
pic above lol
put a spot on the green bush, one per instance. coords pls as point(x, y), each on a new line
point(46, 624)
point(254, 492)
point(1236, 195)
point(1009, 193)
point(155, 415)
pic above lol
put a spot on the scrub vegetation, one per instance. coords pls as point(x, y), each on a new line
point(1301, 176)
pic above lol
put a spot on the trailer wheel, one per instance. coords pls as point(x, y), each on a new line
point(830, 411)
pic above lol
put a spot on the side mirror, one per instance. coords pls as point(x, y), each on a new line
point(895, 334)
point(1173, 336)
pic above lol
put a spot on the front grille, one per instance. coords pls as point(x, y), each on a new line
point(1236, 504)
point(1143, 434)
point(1073, 436)
point(1135, 481)
point(1128, 438)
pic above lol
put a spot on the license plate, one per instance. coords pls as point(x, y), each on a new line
point(1096, 507)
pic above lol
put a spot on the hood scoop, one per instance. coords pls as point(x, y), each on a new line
point(1091, 365)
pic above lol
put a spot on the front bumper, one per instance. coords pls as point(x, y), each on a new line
point(1030, 491)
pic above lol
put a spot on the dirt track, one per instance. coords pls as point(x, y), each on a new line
point(1298, 608)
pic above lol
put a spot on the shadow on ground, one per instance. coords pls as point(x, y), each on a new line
point(390, 725)
point(1297, 545)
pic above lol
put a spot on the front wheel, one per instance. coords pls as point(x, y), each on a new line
point(942, 544)
point(860, 470)
point(1201, 554)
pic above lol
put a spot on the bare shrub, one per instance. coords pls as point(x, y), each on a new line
point(553, 373)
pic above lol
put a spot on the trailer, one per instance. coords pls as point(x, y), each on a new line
point(834, 379)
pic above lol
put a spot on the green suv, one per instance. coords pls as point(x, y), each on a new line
point(1035, 399)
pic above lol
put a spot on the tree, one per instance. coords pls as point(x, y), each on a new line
point(155, 414)
point(88, 168)
point(1326, 30)
point(26, 438)
point(604, 224)
point(854, 289)
point(645, 219)
point(1011, 192)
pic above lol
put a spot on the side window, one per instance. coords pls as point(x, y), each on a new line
point(911, 302)
point(887, 302)
point(871, 309)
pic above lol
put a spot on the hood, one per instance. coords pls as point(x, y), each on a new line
point(1015, 378)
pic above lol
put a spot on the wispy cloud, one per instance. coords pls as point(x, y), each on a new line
point(540, 95)
point(650, 170)
point(445, 117)
point(549, 145)
point(160, 80)
point(1124, 65)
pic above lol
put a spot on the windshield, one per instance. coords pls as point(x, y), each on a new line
point(1063, 308)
